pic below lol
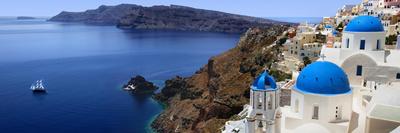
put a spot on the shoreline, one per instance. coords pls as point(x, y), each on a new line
point(148, 127)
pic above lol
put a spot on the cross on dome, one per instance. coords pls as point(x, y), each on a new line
point(322, 56)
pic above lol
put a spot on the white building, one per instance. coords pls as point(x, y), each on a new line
point(321, 98)
point(368, 65)
point(371, 7)
point(263, 112)
point(264, 101)
point(354, 88)
point(304, 44)
point(362, 54)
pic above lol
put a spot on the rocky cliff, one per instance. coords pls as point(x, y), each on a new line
point(104, 15)
point(129, 16)
point(218, 91)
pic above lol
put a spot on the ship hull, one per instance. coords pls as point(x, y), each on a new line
point(39, 91)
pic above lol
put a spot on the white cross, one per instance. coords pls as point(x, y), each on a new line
point(322, 56)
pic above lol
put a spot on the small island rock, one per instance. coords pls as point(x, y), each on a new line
point(140, 85)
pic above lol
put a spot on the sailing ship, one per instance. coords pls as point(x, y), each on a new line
point(38, 87)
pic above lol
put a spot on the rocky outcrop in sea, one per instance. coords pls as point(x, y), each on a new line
point(130, 16)
point(139, 85)
point(204, 101)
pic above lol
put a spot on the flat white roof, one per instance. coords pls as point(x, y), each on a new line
point(385, 112)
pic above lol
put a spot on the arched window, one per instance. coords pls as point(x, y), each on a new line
point(270, 102)
point(378, 44)
point(259, 103)
point(362, 44)
point(315, 112)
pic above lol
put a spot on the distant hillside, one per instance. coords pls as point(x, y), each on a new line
point(130, 16)
point(25, 17)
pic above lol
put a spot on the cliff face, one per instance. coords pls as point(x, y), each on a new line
point(104, 15)
point(218, 91)
point(189, 19)
point(128, 16)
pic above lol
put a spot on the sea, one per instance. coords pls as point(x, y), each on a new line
point(310, 20)
point(84, 68)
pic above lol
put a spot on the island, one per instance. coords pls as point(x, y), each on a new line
point(25, 18)
point(139, 85)
point(173, 17)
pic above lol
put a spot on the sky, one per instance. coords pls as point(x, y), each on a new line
point(257, 8)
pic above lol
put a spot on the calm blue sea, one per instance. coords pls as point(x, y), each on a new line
point(311, 20)
point(84, 67)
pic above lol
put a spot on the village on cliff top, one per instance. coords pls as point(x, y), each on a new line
point(345, 77)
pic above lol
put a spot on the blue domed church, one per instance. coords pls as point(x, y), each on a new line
point(322, 93)
point(336, 94)
point(371, 69)
point(264, 102)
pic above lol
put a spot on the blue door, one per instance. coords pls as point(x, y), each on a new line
point(362, 45)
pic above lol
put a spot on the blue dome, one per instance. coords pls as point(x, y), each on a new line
point(324, 78)
point(328, 26)
point(334, 32)
point(264, 82)
point(365, 24)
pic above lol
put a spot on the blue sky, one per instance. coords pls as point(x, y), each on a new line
point(259, 8)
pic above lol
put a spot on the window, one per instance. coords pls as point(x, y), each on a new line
point(315, 112)
point(359, 70)
point(338, 114)
point(260, 124)
point(347, 43)
point(362, 44)
point(270, 102)
point(378, 44)
point(398, 76)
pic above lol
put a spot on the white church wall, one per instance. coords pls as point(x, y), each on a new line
point(330, 54)
point(341, 103)
point(376, 56)
point(393, 58)
point(326, 106)
point(350, 67)
point(312, 101)
point(297, 102)
point(371, 40)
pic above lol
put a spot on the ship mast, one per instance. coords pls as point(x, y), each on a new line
point(41, 84)
point(37, 84)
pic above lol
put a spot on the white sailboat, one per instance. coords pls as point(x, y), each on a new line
point(38, 86)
